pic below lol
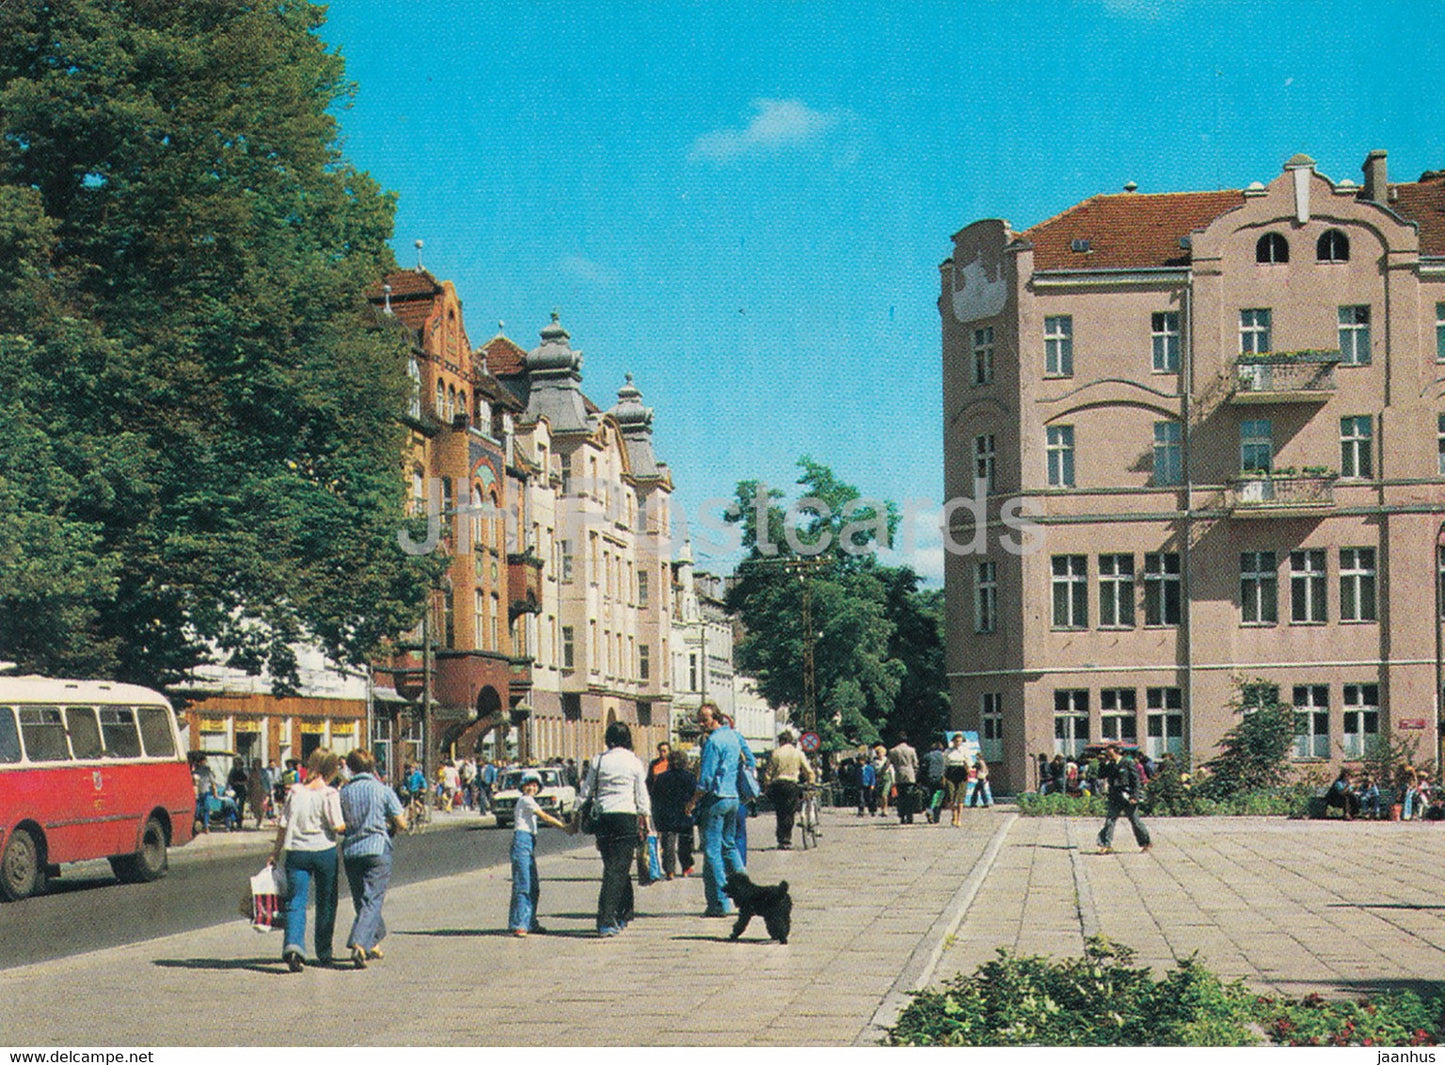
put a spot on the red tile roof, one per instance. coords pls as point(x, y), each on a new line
point(504, 358)
point(413, 293)
point(1423, 202)
point(1126, 230)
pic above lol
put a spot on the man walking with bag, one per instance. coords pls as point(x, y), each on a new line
point(716, 804)
point(904, 760)
point(1125, 790)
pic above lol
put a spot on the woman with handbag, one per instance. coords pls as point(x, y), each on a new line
point(311, 822)
point(613, 799)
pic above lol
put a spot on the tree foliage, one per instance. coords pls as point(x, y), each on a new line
point(878, 639)
point(1254, 754)
point(201, 438)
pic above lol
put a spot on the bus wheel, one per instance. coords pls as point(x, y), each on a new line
point(149, 863)
point(21, 874)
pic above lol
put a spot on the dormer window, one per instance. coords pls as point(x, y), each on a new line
point(1272, 248)
point(1333, 247)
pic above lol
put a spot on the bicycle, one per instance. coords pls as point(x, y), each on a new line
point(418, 814)
point(810, 812)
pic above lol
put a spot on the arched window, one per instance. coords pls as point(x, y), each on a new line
point(413, 370)
point(1272, 248)
point(441, 405)
point(451, 403)
point(1333, 247)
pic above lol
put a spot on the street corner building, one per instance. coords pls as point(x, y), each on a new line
point(1224, 414)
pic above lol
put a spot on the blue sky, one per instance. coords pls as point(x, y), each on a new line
point(745, 204)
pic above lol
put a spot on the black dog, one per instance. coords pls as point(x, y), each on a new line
point(774, 903)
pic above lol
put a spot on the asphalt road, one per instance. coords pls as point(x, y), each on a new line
point(86, 909)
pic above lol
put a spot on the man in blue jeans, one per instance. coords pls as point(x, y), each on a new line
point(715, 806)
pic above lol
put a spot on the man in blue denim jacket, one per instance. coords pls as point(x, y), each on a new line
point(715, 805)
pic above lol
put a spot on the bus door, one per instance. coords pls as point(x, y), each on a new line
point(95, 787)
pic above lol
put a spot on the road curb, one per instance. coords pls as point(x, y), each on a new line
point(921, 964)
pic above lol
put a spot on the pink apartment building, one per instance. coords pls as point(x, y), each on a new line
point(1225, 412)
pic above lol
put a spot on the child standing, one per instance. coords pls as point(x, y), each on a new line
point(525, 885)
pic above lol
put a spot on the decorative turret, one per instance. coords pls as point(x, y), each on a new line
point(556, 355)
point(554, 372)
point(635, 421)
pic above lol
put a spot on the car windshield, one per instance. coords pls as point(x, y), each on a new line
point(512, 779)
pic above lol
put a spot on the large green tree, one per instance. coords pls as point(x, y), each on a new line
point(200, 445)
point(877, 638)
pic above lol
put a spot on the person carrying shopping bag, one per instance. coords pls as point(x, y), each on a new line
point(311, 823)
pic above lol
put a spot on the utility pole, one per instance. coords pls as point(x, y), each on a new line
point(802, 567)
point(428, 766)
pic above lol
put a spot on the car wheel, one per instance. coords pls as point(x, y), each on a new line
point(150, 862)
point(21, 873)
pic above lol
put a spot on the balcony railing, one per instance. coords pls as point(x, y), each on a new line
point(1285, 377)
point(1272, 495)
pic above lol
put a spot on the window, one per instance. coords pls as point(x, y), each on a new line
point(413, 371)
point(1356, 454)
point(1168, 458)
point(157, 731)
point(1357, 584)
point(1440, 578)
point(1258, 588)
point(1307, 587)
point(1162, 599)
point(1362, 718)
point(1256, 444)
point(44, 734)
point(1164, 332)
point(440, 409)
point(1355, 335)
point(566, 463)
point(1071, 722)
point(1060, 451)
point(985, 597)
point(84, 732)
point(569, 648)
point(117, 726)
point(1440, 440)
point(1118, 715)
point(9, 736)
point(644, 662)
point(643, 592)
point(1254, 323)
point(692, 672)
point(1059, 345)
point(1116, 591)
point(1071, 591)
point(1272, 248)
point(1311, 721)
point(1440, 332)
point(1332, 247)
point(1163, 722)
point(990, 713)
point(983, 355)
point(479, 620)
point(983, 461)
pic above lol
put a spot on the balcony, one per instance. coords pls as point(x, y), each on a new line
point(1285, 377)
point(1282, 494)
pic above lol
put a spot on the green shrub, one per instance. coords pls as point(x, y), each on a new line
point(1035, 805)
point(1103, 999)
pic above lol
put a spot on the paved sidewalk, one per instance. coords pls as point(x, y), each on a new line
point(879, 909)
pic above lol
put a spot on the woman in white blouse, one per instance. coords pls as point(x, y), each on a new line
point(618, 779)
point(311, 823)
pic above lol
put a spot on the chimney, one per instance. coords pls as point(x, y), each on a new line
point(1376, 184)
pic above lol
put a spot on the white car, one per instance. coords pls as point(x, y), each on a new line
point(557, 797)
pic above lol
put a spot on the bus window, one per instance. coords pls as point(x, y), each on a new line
point(117, 724)
point(156, 729)
point(9, 736)
point(44, 734)
point(84, 732)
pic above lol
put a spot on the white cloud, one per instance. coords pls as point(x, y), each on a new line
point(587, 270)
point(777, 124)
point(919, 541)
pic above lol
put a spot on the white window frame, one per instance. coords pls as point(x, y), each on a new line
point(1070, 591)
point(1164, 341)
point(1440, 440)
point(1119, 715)
point(1354, 322)
point(1361, 718)
point(1357, 446)
point(990, 721)
point(568, 561)
point(1059, 345)
point(1059, 448)
point(1308, 583)
point(985, 596)
point(644, 593)
point(1256, 434)
point(1168, 453)
point(1163, 722)
point(1071, 721)
point(1312, 721)
point(569, 647)
point(1358, 585)
point(1258, 588)
point(983, 355)
point(984, 459)
point(1440, 332)
point(1116, 591)
point(1163, 590)
point(1255, 325)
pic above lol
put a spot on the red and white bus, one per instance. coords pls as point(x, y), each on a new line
point(88, 769)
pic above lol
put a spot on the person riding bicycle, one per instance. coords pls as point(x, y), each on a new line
point(787, 769)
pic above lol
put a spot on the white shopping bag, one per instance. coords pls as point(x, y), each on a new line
point(268, 899)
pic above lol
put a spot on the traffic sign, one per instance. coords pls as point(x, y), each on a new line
point(810, 741)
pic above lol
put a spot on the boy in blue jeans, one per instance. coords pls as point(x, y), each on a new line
point(525, 885)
